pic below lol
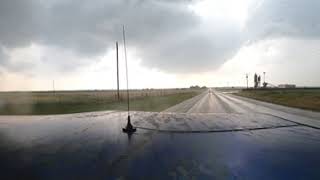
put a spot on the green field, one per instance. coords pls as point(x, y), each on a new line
point(62, 102)
point(300, 98)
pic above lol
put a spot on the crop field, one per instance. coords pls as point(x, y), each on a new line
point(61, 102)
point(303, 98)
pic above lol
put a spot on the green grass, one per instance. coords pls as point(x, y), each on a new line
point(300, 98)
point(36, 103)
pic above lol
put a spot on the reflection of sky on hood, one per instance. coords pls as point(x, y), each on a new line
point(92, 145)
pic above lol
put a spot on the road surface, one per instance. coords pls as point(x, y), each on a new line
point(211, 136)
point(218, 102)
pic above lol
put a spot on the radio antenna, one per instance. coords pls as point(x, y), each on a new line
point(117, 53)
point(129, 128)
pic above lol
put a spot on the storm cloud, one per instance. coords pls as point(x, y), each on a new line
point(284, 18)
point(165, 34)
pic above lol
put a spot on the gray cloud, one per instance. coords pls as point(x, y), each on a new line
point(3, 58)
point(18, 23)
point(164, 33)
point(194, 52)
point(7, 65)
point(284, 18)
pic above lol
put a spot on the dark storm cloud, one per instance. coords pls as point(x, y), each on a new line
point(285, 18)
point(195, 52)
point(18, 28)
point(90, 28)
point(18, 22)
point(164, 33)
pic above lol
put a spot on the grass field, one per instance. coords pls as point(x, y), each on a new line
point(300, 98)
point(61, 102)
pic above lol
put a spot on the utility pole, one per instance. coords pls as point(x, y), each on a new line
point(247, 81)
point(129, 128)
point(118, 93)
point(53, 88)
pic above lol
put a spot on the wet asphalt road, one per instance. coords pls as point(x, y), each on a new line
point(215, 136)
point(218, 102)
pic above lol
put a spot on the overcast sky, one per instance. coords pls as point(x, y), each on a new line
point(171, 43)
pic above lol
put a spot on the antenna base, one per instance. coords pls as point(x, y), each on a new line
point(129, 128)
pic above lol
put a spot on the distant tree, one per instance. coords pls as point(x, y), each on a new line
point(195, 87)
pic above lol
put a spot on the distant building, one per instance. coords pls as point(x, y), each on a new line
point(287, 86)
